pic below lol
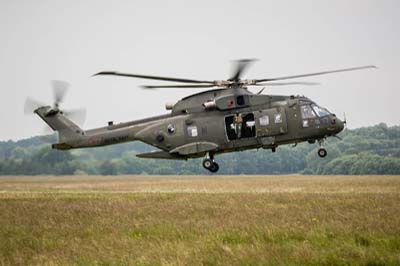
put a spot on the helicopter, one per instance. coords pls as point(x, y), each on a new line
point(227, 117)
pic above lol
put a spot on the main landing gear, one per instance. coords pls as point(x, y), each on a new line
point(210, 164)
point(321, 151)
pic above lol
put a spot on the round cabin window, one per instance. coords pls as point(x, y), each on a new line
point(171, 129)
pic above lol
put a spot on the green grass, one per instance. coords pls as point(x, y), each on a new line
point(284, 220)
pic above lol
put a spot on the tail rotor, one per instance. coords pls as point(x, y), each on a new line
point(56, 119)
point(60, 89)
point(31, 105)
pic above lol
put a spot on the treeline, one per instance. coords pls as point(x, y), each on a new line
point(369, 150)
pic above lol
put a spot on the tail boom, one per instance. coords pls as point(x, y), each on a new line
point(67, 130)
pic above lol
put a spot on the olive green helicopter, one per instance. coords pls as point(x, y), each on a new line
point(226, 118)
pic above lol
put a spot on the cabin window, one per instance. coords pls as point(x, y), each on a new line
point(171, 129)
point(278, 118)
point(306, 112)
point(240, 126)
point(305, 123)
point(321, 112)
point(240, 100)
point(264, 120)
point(192, 131)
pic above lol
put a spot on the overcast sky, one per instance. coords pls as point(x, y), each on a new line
point(71, 40)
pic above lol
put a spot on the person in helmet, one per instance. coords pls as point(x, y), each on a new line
point(238, 124)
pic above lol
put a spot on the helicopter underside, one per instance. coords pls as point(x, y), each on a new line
point(209, 161)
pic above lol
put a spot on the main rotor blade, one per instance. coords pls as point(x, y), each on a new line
point(314, 74)
point(153, 77)
point(176, 86)
point(241, 65)
point(59, 89)
point(287, 83)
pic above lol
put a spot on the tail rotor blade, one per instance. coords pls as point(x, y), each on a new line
point(77, 115)
point(59, 89)
point(31, 105)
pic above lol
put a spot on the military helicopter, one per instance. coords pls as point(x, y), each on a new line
point(226, 118)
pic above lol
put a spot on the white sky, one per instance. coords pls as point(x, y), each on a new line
point(71, 40)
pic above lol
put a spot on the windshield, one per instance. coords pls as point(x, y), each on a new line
point(306, 112)
point(320, 111)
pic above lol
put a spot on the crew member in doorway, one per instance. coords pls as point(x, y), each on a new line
point(238, 125)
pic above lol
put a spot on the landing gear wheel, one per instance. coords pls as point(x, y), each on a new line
point(322, 152)
point(207, 163)
point(214, 168)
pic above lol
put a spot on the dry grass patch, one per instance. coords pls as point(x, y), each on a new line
point(284, 220)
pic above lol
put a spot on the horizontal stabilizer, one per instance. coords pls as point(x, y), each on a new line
point(160, 155)
point(61, 146)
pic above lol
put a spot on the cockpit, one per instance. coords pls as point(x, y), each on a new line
point(320, 111)
point(313, 110)
point(315, 116)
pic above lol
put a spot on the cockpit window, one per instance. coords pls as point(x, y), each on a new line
point(321, 112)
point(303, 102)
point(306, 111)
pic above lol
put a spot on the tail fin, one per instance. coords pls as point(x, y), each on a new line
point(67, 130)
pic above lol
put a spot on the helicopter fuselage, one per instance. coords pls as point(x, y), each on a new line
point(219, 121)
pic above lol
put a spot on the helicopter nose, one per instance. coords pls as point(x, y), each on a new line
point(339, 125)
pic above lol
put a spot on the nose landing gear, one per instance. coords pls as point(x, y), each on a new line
point(322, 152)
point(210, 164)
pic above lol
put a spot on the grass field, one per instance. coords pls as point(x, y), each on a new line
point(197, 220)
